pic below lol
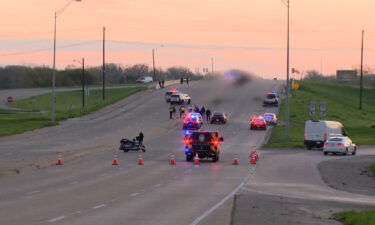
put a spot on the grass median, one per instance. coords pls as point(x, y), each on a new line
point(68, 105)
point(342, 105)
point(356, 218)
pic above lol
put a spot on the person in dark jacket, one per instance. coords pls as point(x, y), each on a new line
point(196, 109)
point(203, 111)
point(140, 138)
point(171, 111)
point(208, 114)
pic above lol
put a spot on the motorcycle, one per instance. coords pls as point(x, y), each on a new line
point(128, 145)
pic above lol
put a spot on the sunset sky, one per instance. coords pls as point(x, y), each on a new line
point(241, 34)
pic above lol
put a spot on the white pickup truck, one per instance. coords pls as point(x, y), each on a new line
point(180, 98)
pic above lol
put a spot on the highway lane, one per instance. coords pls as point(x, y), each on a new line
point(88, 190)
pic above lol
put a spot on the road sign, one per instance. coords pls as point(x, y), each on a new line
point(323, 108)
point(295, 86)
point(10, 99)
point(312, 108)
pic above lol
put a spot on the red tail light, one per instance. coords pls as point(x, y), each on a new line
point(340, 144)
point(326, 144)
point(304, 134)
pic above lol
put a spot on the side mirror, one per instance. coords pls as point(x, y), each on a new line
point(221, 139)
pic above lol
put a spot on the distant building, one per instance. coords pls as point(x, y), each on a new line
point(346, 75)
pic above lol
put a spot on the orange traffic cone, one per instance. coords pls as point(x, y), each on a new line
point(115, 160)
point(235, 160)
point(196, 159)
point(253, 160)
point(172, 160)
point(140, 160)
point(59, 159)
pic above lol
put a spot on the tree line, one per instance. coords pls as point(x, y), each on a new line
point(15, 76)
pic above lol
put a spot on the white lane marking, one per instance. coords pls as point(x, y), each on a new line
point(134, 194)
point(99, 206)
point(56, 219)
point(188, 171)
point(213, 208)
point(74, 182)
point(32, 192)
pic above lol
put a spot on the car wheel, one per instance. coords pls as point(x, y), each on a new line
point(308, 147)
point(325, 153)
point(346, 151)
point(354, 151)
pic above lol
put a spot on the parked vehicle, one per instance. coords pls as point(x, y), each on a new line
point(204, 144)
point(168, 94)
point(317, 132)
point(271, 99)
point(270, 118)
point(128, 145)
point(145, 80)
point(342, 145)
point(219, 117)
point(180, 98)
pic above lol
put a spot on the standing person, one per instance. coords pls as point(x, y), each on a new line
point(196, 109)
point(171, 111)
point(182, 80)
point(140, 138)
point(174, 111)
point(182, 110)
point(208, 114)
point(203, 111)
point(162, 83)
point(190, 108)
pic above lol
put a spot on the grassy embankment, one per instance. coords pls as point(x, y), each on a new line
point(356, 218)
point(13, 122)
point(342, 105)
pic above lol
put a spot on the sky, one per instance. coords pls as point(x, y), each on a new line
point(325, 35)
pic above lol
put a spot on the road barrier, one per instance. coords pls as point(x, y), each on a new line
point(115, 160)
point(172, 160)
point(140, 160)
point(235, 160)
point(59, 159)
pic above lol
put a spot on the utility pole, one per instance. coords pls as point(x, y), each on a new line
point(361, 82)
point(321, 65)
point(83, 82)
point(287, 3)
point(212, 65)
point(153, 63)
point(103, 63)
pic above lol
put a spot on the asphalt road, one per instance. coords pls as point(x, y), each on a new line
point(87, 189)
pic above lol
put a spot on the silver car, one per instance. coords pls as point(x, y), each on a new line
point(339, 144)
point(270, 118)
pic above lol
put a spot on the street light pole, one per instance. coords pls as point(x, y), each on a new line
point(153, 62)
point(361, 81)
point(153, 59)
point(83, 82)
point(286, 2)
point(57, 13)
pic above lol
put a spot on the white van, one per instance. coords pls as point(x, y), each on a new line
point(318, 131)
point(145, 80)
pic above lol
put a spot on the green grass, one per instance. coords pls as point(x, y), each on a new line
point(356, 218)
point(14, 122)
point(342, 105)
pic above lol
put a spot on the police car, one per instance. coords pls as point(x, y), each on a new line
point(180, 98)
point(192, 121)
point(205, 144)
point(168, 94)
point(272, 98)
point(258, 122)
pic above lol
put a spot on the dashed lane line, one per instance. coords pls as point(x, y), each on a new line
point(56, 219)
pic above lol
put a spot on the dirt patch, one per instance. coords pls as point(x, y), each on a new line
point(351, 174)
point(261, 209)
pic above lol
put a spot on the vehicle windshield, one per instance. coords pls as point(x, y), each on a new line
point(217, 114)
point(335, 139)
point(270, 96)
point(197, 136)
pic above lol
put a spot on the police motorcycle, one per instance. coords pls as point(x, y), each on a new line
point(131, 145)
